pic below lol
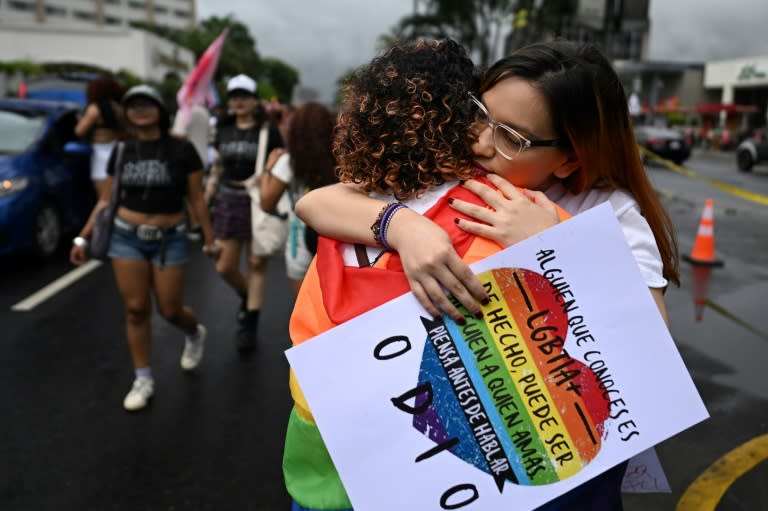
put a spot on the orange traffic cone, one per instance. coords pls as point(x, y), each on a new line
point(704, 247)
point(701, 276)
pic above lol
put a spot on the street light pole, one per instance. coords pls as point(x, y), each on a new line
point(612, 25)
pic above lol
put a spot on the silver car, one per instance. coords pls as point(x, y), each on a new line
point(752, 151)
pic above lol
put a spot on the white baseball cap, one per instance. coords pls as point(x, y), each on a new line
point(242, 82)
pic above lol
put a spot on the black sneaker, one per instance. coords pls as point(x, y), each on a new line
point(242, 310)
point(245, 338)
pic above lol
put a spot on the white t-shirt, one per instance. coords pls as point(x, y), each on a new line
point(282, 169)
point(297, 255)
point(636, 229)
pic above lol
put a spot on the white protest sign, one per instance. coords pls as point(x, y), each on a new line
point(570, 372)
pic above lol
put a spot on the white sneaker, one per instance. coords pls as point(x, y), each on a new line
point(193, 351)
point(142, 390)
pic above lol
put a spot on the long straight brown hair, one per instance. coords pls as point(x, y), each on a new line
point(589, 110)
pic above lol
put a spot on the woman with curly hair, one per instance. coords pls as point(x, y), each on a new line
point(402, 136)
point(552, 119)
point(103, 122)
point(309, 165)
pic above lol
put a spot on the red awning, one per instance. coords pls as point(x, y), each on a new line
point(716, 108)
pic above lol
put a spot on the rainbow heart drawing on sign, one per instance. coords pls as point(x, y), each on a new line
point(502, 393)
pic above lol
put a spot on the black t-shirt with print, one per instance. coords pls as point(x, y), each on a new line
point(238, 149)
point(153, 174)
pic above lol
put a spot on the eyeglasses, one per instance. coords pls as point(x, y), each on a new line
point(508, 141)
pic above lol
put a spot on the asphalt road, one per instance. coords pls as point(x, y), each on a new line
point(213, 439)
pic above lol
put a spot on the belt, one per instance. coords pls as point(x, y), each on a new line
point(229, 189)
point(146, 232)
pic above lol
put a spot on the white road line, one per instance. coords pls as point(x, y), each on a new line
point(35, 299)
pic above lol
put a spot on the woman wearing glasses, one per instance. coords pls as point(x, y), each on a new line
point(403, 134)
point(553, 122)
point(552, 129)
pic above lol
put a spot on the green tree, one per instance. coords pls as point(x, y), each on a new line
point(340, 83)
point(239, 54)
point(282, 77)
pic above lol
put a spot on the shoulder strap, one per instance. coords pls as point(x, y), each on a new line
point(261, 155)
point(118, 167)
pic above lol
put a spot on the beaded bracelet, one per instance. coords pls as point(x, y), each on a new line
point(385, 221)
point(376, 225)
point(380, 226)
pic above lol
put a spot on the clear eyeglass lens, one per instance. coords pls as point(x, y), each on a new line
point(507, 142)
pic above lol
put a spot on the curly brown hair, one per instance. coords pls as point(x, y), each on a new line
point(310, 135)
point(406, 121)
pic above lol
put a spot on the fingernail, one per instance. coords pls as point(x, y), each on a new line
point(456, 220)
point(450, 200)
point(479, 315)
point(461, 321)
point(485, 301)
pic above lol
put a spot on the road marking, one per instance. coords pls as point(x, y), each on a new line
point(733, 190)
point(35, 299)
point(733, 317)
point(708, 489)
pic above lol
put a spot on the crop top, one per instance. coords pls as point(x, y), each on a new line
point(153, 177)
point(238, 149)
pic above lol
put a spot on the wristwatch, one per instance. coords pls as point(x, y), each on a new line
point(80, 242)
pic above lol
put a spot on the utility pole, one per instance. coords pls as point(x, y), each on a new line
point(612, 25)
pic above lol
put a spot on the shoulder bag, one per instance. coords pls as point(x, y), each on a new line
point(98, 246)
point(270, 229)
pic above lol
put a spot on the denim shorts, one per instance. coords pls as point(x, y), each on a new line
point(125, 244)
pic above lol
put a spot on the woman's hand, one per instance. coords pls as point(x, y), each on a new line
point(78, 255)
point(212, 250)
point(514, 214)
point(430, 264)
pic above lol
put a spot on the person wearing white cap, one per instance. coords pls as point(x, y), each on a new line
point(236, 143)
point(148, 244)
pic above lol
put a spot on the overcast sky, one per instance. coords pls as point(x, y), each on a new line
point(323, 39)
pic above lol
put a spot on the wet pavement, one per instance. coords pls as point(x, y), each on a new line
point(209, 440)
point(212, 440)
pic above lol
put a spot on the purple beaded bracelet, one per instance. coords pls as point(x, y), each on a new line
point(381, 225)
point(385, 220)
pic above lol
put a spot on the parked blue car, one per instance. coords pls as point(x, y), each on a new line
point(45, 187)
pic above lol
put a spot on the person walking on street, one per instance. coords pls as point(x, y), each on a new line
point(237, 144)
point(103, 123)
point(148, 244)
point(307, 166)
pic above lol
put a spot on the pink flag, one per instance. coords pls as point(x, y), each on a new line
point(197, 89)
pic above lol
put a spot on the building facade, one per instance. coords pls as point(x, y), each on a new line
point(117, 13)
point(98, 33)
point(619, 27)
point(144, 54)
point(742, 81)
